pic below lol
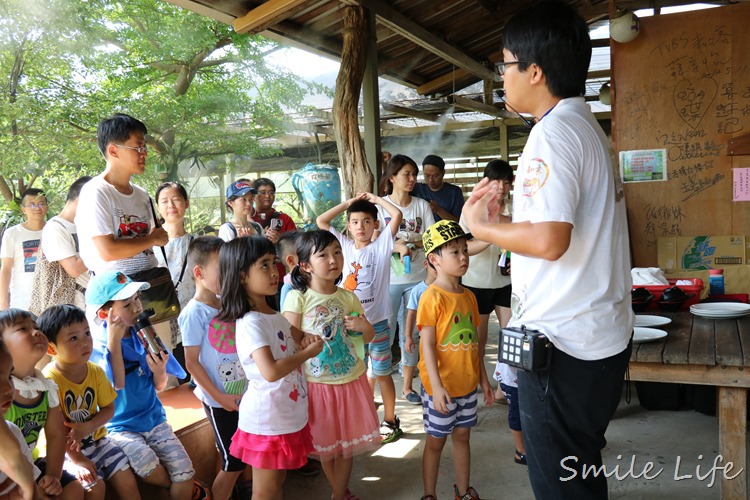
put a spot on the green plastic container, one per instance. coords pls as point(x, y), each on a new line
point(357, 340)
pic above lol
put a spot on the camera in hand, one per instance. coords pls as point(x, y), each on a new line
point(147, 335)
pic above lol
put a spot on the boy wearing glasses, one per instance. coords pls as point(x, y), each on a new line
point(114, 218)
point(19, 249)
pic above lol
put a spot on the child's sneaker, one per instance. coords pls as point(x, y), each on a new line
point(201, 491)
point(471, 494)
point(390, 432)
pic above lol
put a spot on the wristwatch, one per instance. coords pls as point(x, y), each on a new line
point(411, 246)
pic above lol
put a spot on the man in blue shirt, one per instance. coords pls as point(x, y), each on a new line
point(446, 200)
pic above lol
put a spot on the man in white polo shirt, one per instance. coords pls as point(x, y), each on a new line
point(571, 262)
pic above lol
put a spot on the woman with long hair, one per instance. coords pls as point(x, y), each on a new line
point(398, 180)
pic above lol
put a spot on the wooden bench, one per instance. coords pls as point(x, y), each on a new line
point(188, 420)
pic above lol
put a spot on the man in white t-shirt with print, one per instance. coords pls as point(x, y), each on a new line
point(571, 259)
point(114, 218)
point(19, 249)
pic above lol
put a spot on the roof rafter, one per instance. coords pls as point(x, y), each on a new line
point(414, 32)
point(268, 14)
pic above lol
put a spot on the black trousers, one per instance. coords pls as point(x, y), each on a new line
point(564, 415)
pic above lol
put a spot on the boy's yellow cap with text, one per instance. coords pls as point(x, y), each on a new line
point(441, 233)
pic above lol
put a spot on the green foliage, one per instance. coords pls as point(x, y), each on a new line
point(202, 90)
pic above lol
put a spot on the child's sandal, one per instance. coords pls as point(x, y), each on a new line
point(519, 458)
point(348, 495)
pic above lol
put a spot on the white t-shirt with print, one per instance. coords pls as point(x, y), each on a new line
point(324, 315)
point(567, 173)
point(60, 242)
point(21, 245)
point(367, 273)
point(103, 210)
point(417, 218)
point(270, 408)
point(218, 349)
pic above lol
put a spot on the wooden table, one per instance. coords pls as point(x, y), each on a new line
point(706, 352)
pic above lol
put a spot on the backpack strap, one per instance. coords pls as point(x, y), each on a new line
point(184, 263)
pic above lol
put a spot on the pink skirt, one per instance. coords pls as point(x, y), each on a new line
point(285, 451)
point(343, 419)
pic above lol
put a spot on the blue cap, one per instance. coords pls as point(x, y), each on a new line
point(112, 285)
point(240, 188)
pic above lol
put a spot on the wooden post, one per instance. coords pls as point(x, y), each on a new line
point(371, 104)
point(354, 167)
point(732, 440)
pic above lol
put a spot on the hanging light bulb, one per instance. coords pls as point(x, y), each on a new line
point(625, 27)
point(604, 94)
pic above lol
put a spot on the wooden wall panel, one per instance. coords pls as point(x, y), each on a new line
point(684, 84)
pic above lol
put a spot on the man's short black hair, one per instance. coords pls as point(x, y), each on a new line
point(32, 192)
point(555, 37)
point(74, 191)
point(55, 318)
point(201, 248)
point(117, 129)
point(264, 181)
point(363, 206)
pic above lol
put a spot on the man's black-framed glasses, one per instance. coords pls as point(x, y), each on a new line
point(502, 66)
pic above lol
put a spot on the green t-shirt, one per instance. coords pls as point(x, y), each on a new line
point(29, 418)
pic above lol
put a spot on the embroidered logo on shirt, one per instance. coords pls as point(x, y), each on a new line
point(537, 174)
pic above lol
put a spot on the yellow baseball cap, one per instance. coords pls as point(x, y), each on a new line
point(441, 233)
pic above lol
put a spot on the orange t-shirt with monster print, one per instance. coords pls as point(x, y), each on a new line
point(81, 402)
point(455, 317)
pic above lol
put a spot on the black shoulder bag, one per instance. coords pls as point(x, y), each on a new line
point(161, 297)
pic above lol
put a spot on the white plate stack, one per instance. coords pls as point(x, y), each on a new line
point(720, 310)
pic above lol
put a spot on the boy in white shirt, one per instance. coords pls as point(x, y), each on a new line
point(19, 249)
point(367, 274)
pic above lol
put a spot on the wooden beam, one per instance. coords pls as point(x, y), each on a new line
point(203, 10)
point(414, 113)
point(460, 78)
point(414, 32)
point(328, 117)
point(269, 14)
point(739, 145)
point(289, 33)
point(472, 105)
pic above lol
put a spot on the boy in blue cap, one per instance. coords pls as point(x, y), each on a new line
point(139, 425)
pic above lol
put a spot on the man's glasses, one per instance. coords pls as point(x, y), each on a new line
point(41, 204)
point(502, 66)
point(266, 193)
point(141, 150)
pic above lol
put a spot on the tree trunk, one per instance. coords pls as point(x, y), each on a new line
point(354, 168)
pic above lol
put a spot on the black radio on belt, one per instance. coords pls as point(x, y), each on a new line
point(524, 348)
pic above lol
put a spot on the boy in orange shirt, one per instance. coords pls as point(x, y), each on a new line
point(450, 363)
